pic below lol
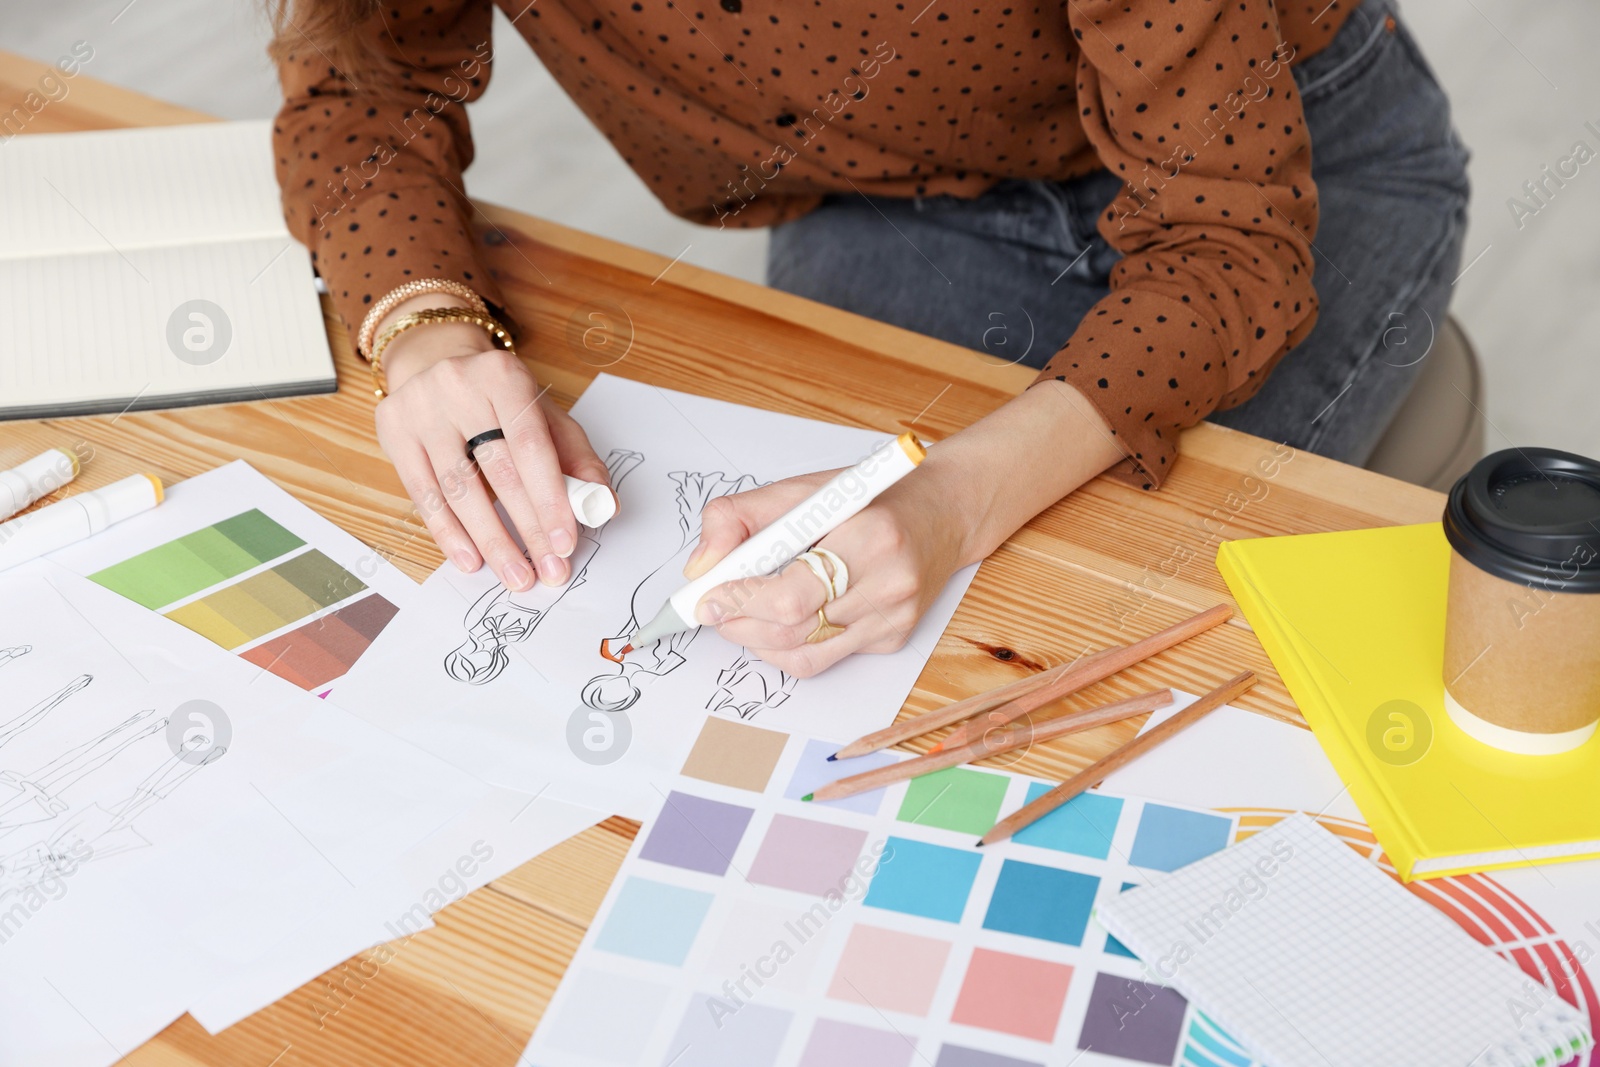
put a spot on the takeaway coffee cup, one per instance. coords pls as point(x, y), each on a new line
point(1522, 631)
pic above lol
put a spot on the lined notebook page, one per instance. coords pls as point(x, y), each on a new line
point(140, 188)
point(1311, 956)
point(110, 299)
point(151, 268)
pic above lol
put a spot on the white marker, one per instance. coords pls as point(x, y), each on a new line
point(591, 502)
point(39, 477)
point(808, 522)
point(75, 518)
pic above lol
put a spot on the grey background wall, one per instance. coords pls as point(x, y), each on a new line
point(1523, 79)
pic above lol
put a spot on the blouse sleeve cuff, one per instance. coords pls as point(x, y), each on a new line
point(364, 250)
point(1151, 366)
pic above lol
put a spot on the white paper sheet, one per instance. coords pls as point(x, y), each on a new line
point(1235, 759)
point(498, 834)
point(236, 489)
point(127, 805)
point(283, 955)
point(226, 884)
point(511, 686)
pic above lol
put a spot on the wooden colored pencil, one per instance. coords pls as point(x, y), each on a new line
point(1089, 673)
point(1018, 736)
point(966, 708)
point(1096, 772)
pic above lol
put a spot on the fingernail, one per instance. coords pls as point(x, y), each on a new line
point(553, 569)
point(711, 613)
point(694, 558)
point(465, 561)
point(563, 543)
point(517, 576)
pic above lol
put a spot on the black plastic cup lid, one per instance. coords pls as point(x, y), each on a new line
point(1531, 516)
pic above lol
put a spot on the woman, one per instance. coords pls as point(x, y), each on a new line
point(1176, 210)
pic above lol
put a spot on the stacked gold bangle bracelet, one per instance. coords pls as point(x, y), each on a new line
point(483, 320)
point(401, 293)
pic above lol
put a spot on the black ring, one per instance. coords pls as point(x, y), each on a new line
point(474, 443)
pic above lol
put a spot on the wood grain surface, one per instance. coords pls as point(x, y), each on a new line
point(1106, 566)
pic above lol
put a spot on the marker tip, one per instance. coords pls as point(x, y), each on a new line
point(833, 757)
point(808, 797)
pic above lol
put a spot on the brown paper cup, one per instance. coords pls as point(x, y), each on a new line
point(1521, 665)
point(1522, 630)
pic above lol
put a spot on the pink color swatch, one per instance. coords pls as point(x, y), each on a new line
point(810, 857)
point(890, 971)
point(1013, 994)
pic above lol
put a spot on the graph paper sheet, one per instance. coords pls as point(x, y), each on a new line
point(1310, 956)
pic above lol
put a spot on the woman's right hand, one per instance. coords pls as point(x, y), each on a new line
point(444, 388)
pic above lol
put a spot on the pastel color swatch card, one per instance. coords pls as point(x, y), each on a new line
point(750, 928)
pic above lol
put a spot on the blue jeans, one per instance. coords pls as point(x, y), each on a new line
point(1011, 272)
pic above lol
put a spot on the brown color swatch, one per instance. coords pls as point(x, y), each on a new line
point(735, 754)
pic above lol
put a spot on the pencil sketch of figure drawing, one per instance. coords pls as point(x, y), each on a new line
point(34, 715)
point(7, 655)
point(36, 797)
point(618, 689)
point(99, 832)
point(501, 618)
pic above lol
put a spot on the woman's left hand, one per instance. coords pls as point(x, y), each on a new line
point(900, 551)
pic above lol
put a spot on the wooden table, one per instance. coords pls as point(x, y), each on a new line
point(1104, 566)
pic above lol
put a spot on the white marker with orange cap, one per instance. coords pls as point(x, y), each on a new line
point(76, 518)
point(37, 478)
point(841, 498)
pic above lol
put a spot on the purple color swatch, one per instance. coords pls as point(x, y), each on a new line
point(810, 857)
point(1133, 1019)
point(814, 771)
point(836, 1044)
point(956, 1056)
point(696, 834)
point(717, 1033)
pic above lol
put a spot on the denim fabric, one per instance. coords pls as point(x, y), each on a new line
point(1010, 273)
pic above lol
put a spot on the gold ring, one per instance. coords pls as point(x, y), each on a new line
point(824, 630)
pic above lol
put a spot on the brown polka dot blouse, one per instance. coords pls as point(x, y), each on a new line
point(746, 112)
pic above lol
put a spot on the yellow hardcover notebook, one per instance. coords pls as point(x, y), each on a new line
point(1354, 622)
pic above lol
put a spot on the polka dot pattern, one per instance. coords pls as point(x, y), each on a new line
point(1195, 107)
point(371, 172)
point(748, 112)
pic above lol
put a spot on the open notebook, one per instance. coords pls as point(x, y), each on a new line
point(1310, 956)
point(151, 268)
